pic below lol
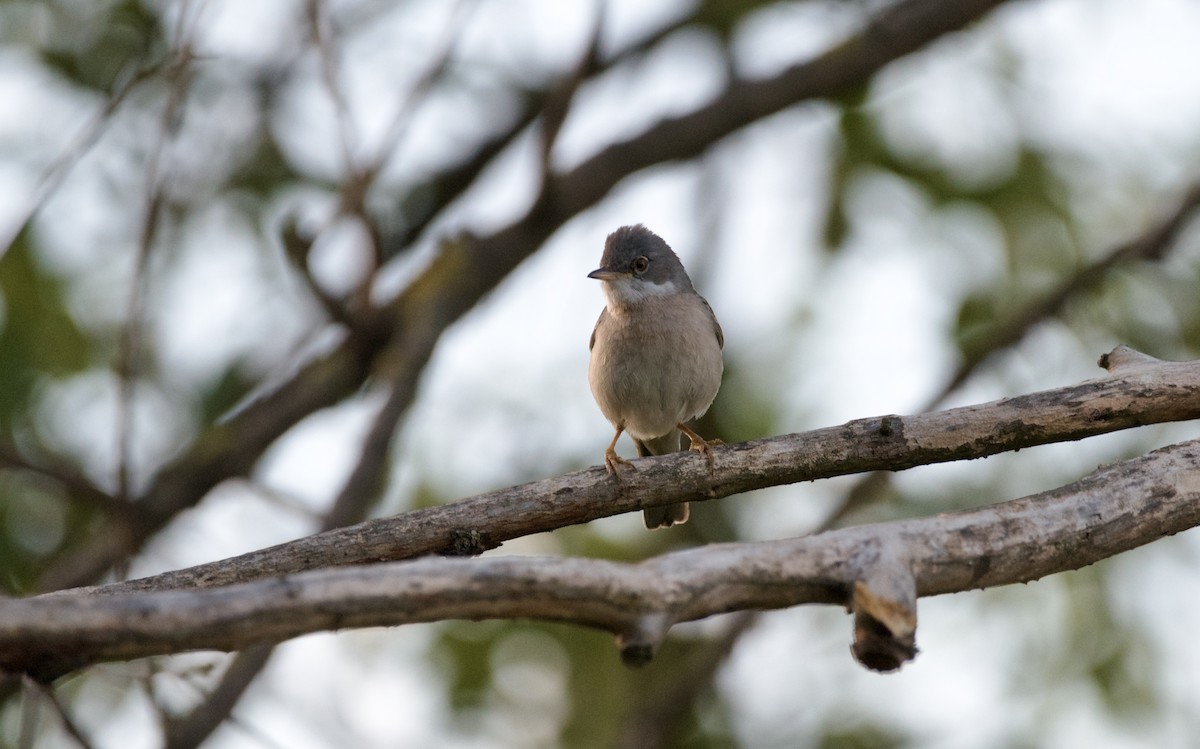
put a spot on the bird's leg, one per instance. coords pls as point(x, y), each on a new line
point(611, 459)
point(699, 444)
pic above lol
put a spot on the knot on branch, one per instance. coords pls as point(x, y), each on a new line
point(466, 542)
point(1123, 360)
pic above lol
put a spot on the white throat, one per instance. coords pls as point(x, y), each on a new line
point(631, 291)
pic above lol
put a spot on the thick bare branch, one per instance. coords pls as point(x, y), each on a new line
point(1131, 396)
point(1116, 508)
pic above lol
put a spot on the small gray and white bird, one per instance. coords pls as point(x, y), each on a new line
point(656, 353)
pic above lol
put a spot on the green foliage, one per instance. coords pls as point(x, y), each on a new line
point(31, 525)
point(225, 392)
point(39, 340)
point(99, 42)
point(603, 697)
point(1042, 244)
point(861, 737)
point(1091, 646)
point(723, 16)
point(38, 520)
point(265, 171)
point(598, 684)
point(38, 337)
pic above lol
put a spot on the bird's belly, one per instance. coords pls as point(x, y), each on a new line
point(651, 385)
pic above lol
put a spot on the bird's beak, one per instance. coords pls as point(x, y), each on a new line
point(604, 274)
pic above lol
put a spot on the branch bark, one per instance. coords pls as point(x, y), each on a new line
point(1139, 390)
point(876, 570)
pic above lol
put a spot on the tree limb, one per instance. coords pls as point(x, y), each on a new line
point(877, 570)
point(1138, 392)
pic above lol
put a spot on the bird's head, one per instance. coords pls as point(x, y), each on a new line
point(637, 264)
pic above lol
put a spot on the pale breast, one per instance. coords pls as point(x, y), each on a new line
point(656, 365)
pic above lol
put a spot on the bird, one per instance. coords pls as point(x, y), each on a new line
point(656, 358)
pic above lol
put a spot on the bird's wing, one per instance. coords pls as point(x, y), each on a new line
point(600, 321)
point(712, 316)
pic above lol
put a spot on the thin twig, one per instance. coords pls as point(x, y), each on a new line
point(127, 364)
point(1154, 244)
point(297, 248)
point(31, 699)
point(193, 729)
point(76, 149)
point(354, 195)
point(41, 693)
point(558, 104)
point(77, 486)
point(438, 63)
point(322, 34)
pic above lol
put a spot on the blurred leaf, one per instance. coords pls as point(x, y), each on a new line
point(1094, 648)
point(723, 16)
point(1116, 655)
point(20, 566)
point(583, 541)
point(601, 690)
point(38, 338)
point(37, 521)
point(859, 145)
point(598, 682)
point(1030, 202)
point(224, 393)
point(1122, 677)
point(604, 694)
point(1149, 307)
point(977, 316)
point(468, 645)
point(746, 409)
point(266, 170)
point(128, 32)
point(863, 736)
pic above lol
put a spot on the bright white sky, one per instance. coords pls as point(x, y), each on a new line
point(1115, 84)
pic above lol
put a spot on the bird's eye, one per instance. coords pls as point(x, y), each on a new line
point(640, 265)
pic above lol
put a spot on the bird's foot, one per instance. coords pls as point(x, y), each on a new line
point(701, 445)
point(612, 461)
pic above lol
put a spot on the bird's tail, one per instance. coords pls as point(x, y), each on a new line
point(663, 517)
